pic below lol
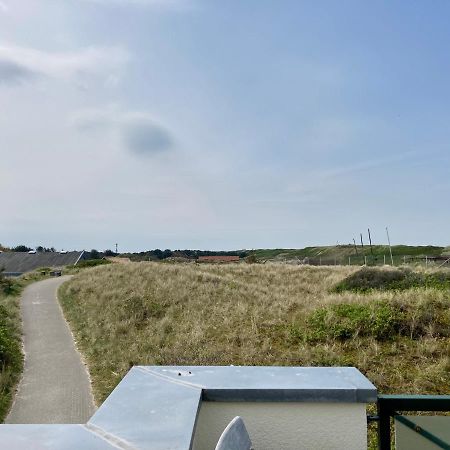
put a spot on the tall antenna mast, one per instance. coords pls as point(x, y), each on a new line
point(390, 248)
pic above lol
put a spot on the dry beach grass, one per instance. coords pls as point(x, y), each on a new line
point(271, 314)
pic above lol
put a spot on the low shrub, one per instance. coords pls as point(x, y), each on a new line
point(10, 359)
point(372, 278)
point(10, 354)
point(92, 263)
point(7, 285)
point(381, 320)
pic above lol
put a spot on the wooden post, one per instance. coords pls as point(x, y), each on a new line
point(384, 258)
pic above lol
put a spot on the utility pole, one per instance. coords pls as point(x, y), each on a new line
point(390, 248)
point(362, 249)
point(356, 248)
point(116, 250)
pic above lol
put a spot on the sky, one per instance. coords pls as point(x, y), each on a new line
point(216, 124)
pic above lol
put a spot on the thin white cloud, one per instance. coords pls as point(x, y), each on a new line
point(70, 65)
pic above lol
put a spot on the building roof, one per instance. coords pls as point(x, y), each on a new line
point(16, 263)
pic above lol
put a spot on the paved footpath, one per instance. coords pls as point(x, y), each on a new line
point(55, 386)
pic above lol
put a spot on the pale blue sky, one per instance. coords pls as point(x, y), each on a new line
point(223, 124)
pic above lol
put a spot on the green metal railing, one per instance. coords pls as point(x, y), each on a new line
point(388, 407)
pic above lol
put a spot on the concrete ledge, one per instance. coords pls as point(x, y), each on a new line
point(157, 407)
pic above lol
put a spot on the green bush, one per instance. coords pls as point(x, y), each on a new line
point(10, 354)
point(371, 278)
point(7, 285)
point(344, 321)
point(381, 320)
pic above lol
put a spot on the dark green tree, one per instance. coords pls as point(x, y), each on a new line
point(21, 248)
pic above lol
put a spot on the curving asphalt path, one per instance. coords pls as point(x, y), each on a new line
point(55, 386)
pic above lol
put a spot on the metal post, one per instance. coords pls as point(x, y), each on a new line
point(390, 248)
point(384, 426)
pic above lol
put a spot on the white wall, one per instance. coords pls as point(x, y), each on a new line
point(286, 426)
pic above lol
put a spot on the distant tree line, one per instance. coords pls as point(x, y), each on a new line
point(158, 254)
point(24, 249)
point(95, 254)
point(148, 255)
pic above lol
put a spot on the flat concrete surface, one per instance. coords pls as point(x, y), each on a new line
point(55, 386)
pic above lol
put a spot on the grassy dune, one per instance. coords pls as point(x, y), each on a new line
point(150, 313)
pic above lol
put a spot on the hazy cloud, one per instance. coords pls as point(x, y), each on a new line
point(173, 5)
point(12, 73)
point(3, 7)
point(73, 65)
point(144, 137)
point(138, 132)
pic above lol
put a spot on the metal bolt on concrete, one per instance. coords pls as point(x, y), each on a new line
point(55, 386)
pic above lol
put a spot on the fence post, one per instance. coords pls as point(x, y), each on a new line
point(349, 261)
point(384, 425)
point(384, 258)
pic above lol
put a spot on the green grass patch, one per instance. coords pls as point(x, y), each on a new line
point(85, 264)
point(92, 263)
point(382, 279)
point(381, 320)
point(342, 252)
